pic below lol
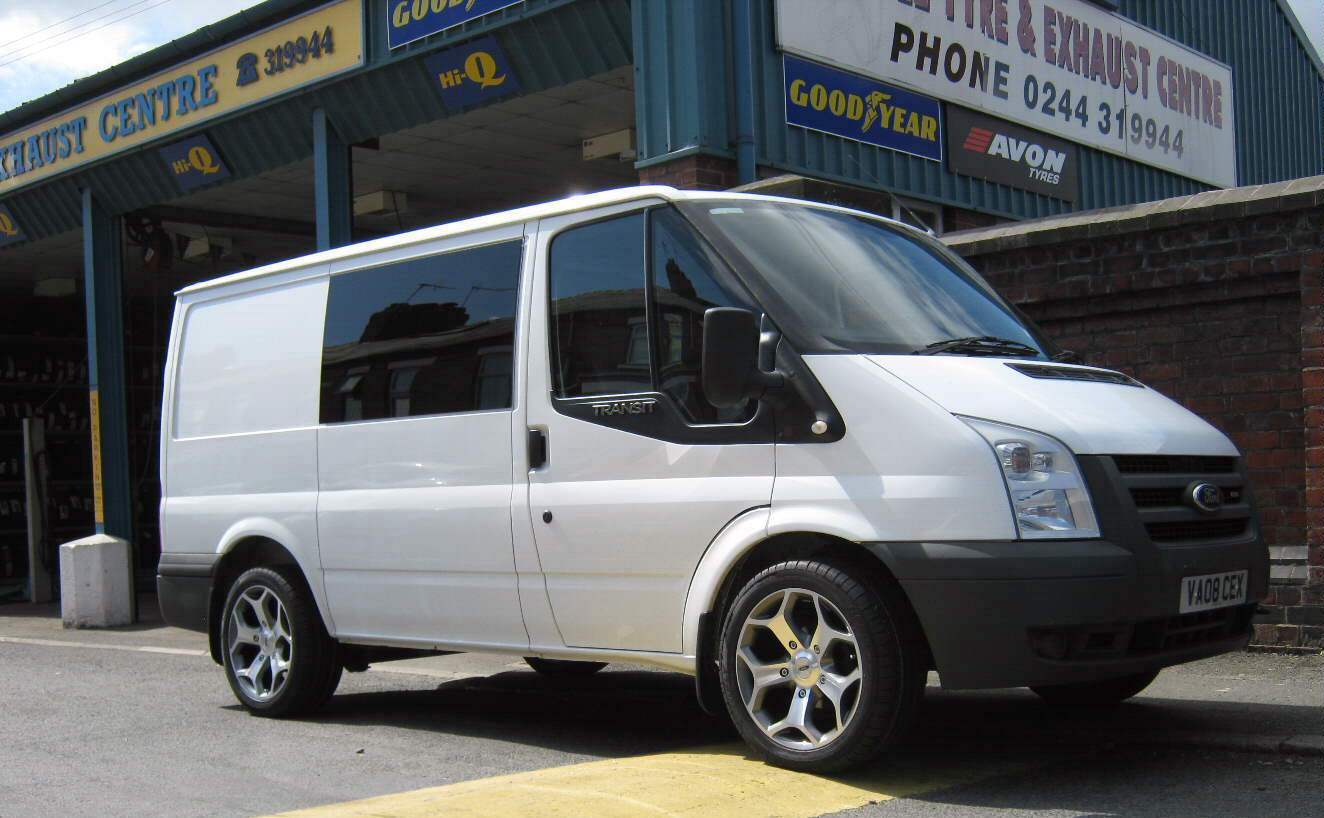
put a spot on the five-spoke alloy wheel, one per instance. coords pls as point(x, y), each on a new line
point(820, 670)
point(798, 669)
point(259, 643)
point(278, 657)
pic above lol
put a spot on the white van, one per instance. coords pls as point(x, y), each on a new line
point(798, 451)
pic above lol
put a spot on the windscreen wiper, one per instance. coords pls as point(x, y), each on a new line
point(980, 345)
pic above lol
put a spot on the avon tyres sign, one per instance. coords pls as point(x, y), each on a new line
point(855, 107)
point(411, 20)
point(1008, 154)
point(472, 73)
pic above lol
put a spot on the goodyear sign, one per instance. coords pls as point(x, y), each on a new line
point(304, 49)
point(10, 232)
point(855, 107)
point(472, 73)
point(194, 162)
point(411, 20)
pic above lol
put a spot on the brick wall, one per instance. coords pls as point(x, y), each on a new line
point(698, 172)
point(1217, 301)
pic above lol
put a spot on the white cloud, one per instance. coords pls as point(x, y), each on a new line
point(42, 50)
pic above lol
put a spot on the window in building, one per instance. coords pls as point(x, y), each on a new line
point(414, 337)
point(351, 405)
point(495, 365)
point(926, 216)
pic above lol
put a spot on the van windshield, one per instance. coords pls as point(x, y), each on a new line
point(865, 285)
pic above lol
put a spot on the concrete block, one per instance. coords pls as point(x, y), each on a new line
point(95, 582)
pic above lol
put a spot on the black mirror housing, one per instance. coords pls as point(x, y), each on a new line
point(731, 372)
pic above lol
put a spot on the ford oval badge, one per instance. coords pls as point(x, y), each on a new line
point(1207, 497)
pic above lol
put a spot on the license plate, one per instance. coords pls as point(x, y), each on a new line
point(1209, 591)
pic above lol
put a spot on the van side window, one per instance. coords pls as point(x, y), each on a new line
point(425, 336)
point(599, 317)
point(683, 289)
point(627, 318)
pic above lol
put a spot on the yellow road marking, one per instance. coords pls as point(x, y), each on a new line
point(716, 782)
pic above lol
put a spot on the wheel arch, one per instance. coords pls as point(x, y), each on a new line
point(237, 556)
point(706, 605)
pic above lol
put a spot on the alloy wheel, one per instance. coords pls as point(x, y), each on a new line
point(798, 669)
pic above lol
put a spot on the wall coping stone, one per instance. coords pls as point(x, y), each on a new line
point(1225, 203)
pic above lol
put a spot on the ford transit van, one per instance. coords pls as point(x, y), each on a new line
point(801, 452)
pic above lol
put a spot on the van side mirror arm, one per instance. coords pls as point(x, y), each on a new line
point(731, 372)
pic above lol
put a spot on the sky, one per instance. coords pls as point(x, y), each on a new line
point(46, 44)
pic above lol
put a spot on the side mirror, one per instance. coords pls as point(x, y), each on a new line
point(731, 371)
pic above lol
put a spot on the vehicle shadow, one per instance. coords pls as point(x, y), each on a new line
point(1017, 717)
point(658, 709)
point(985, 749)
point(610, 714)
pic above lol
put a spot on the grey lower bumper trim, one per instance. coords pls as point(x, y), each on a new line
point(187, 565)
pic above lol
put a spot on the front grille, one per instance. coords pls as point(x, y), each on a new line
point(1156, 498)
point(1173, 464)
point(1196, 530)
point(1161, 486)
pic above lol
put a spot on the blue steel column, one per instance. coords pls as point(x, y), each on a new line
point(742, 34)
point(104, 296)
point(334, 184)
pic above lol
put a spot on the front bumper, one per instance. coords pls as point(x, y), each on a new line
point(1008, 614)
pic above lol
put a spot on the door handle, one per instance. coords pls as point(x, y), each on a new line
point(537, 449)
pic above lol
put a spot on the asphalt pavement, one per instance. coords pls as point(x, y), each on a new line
point(1249, 701)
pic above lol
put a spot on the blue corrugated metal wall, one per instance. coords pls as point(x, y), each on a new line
point(682, 78)
point(684, 91)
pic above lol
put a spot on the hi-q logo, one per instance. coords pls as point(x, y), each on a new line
point(1043, 164)
point(10, 232)
point(475, 72)
point(199, 159)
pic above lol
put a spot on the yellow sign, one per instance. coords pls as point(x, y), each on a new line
point(307, 48)
point(98, 493)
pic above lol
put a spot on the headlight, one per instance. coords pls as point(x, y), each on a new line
point(1046, 488)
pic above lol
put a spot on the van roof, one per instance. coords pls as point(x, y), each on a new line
point(568, 205)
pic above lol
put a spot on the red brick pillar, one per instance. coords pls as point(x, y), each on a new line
point(1311, 614)
point(697, 172)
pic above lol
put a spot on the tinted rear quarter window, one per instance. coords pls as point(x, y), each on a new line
point(425, 336)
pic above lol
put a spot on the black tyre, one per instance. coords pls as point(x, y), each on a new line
point(278, 657)
point(563, 667)
point(821, 666)
point(1096, 694)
